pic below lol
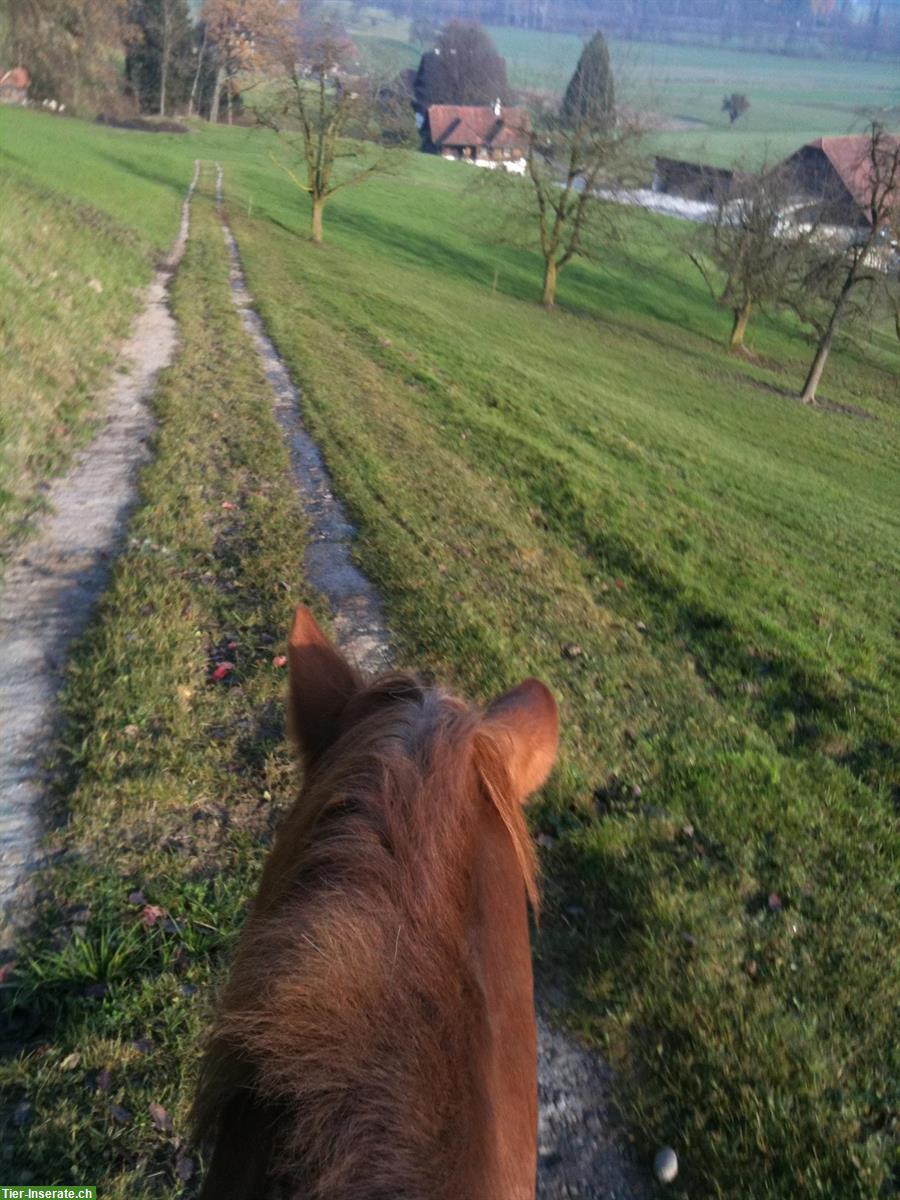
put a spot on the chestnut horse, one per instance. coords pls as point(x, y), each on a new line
point(376, 1038)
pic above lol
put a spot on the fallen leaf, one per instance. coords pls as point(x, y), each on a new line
point(280, 660)
point(119, 1114)
point(228, 506)
point(137, 897)
point(7, 970)
point(571, 650)
point(222, 671)
point(104, 1081)
point(151, 913)
point(131, 731)
point(142, 1045)
point(160, 1118)
point(774, 902)
point(71, 1061)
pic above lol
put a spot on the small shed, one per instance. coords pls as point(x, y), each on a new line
point(487, 135)
point(14, 85)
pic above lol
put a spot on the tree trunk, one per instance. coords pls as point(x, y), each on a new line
point(195, 84)
point(228, 99)
point(550, 273)
point(163, 80)
point(318, 207)
point(217, 92)
point(741, 317)
point(808, 396)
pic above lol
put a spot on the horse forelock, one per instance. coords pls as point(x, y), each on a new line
point(345, 997)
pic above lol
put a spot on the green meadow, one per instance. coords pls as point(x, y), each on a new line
point(703, 570)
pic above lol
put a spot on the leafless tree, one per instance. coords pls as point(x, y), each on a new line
point(565, 204)
point(855, 278)
point(316, 109)
point(763, 257)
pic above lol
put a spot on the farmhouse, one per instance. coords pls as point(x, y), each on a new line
point(487, 135)
point(14, 86)
point(833, 177)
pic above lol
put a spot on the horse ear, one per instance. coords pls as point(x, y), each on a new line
point(321, 683)
point(528, 717)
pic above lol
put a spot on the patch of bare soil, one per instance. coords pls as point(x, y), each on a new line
point(582, 1150)
point(52, 582)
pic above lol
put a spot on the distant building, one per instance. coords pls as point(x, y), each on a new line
point(833, 178)
point(692, 181)
point(487, 135)
point(14, 86)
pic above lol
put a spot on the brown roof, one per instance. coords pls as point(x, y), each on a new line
point(477, 125)
point(18, 77)
point(851, 159)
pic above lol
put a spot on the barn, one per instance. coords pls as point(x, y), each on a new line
point(487, 135)
point(692, 180)
point(834, 177)
point(14, 86)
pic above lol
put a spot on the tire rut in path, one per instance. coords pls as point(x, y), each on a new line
point(582, 1155)
point(53, 580)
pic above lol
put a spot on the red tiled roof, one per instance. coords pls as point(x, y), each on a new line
point(18, 77)
point(851, 159)
point(477, 125)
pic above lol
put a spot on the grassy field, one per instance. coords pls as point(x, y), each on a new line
point(721, 845)
point(792, 100)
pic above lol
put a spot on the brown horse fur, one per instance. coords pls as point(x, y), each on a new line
point(376, 1039)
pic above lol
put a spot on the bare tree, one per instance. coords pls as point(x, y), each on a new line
point(315, 109)
point(763, 257)
point(462, 68)
point(735, 105)
point(571, 168)
point(854, 278)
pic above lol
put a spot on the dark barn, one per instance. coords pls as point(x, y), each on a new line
point(692, 181)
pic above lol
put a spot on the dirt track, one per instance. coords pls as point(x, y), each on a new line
point(52, 582)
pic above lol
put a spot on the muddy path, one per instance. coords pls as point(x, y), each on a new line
point(582, 1149)
point(52, 581)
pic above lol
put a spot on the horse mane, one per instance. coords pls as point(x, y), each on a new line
point(352, 1013)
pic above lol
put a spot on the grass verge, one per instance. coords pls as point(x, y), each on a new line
point(70, 277)
point(171, 779)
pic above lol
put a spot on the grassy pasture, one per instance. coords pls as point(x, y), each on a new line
point(720, 902)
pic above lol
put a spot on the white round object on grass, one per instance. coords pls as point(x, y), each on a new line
point(665, 1165)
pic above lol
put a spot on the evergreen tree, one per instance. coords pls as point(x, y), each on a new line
point(590, 96)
